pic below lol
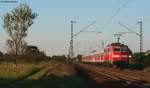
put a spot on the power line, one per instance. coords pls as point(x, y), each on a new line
point(85, 28)
point(97, 32)
point(115, 14)
point(120, 34)
point(146, 21)
point(129, 29)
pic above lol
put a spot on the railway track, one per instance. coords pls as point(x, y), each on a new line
point(128, 80)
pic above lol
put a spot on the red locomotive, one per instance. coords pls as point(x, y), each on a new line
point(112, 53)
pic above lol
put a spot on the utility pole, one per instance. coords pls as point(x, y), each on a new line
point(71, 53)
point(141, 38)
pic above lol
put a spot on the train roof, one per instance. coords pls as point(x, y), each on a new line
point(116, 44)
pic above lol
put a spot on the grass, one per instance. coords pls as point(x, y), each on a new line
point(55, 75)
point(54, 81)
point(9, 72)
point(63, 76)
point(31, 80)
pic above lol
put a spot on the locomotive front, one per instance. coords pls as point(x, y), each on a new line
point(120, 53)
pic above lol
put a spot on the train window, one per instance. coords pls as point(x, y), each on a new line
point(105, 50)
point(108, 50)
point(123, 49)
point(97, 56)
point(117, 49)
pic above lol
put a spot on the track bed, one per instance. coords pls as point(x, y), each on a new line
point(107, 77)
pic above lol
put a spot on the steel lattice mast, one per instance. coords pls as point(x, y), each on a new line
point(71, 51)
point(141, 38)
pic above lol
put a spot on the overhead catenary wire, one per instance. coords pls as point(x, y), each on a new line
point(140, 34)
point(84, 28)
point(115, 14)
point(129, 29)
point(8, 1)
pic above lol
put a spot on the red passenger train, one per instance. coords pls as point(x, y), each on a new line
point(112, 53)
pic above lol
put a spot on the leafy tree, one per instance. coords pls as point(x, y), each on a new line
point(32, 50)
point(16, 24)
point(147, 60)
point(136, 58)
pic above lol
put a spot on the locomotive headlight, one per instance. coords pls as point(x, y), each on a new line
point(130, 56)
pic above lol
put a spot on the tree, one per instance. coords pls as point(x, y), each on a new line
point(136, 58)
point(16, 24)
point(32, 50)
point(147, 60)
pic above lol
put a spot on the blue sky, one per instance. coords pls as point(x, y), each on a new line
point(51, 30)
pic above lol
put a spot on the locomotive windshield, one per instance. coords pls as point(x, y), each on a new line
point(123, 49)
point(118, 49)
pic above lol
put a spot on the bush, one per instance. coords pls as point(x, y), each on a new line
point(147, 61)
point(138, 66)
point(136, 58)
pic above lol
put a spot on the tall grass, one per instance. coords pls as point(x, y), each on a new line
point(9, 72)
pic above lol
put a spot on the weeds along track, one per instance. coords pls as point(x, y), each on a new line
point(116, 78)
point(40, 74)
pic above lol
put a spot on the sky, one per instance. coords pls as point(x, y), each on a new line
point(51, 29)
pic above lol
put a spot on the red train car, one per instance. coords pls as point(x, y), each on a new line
point(112, 53)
